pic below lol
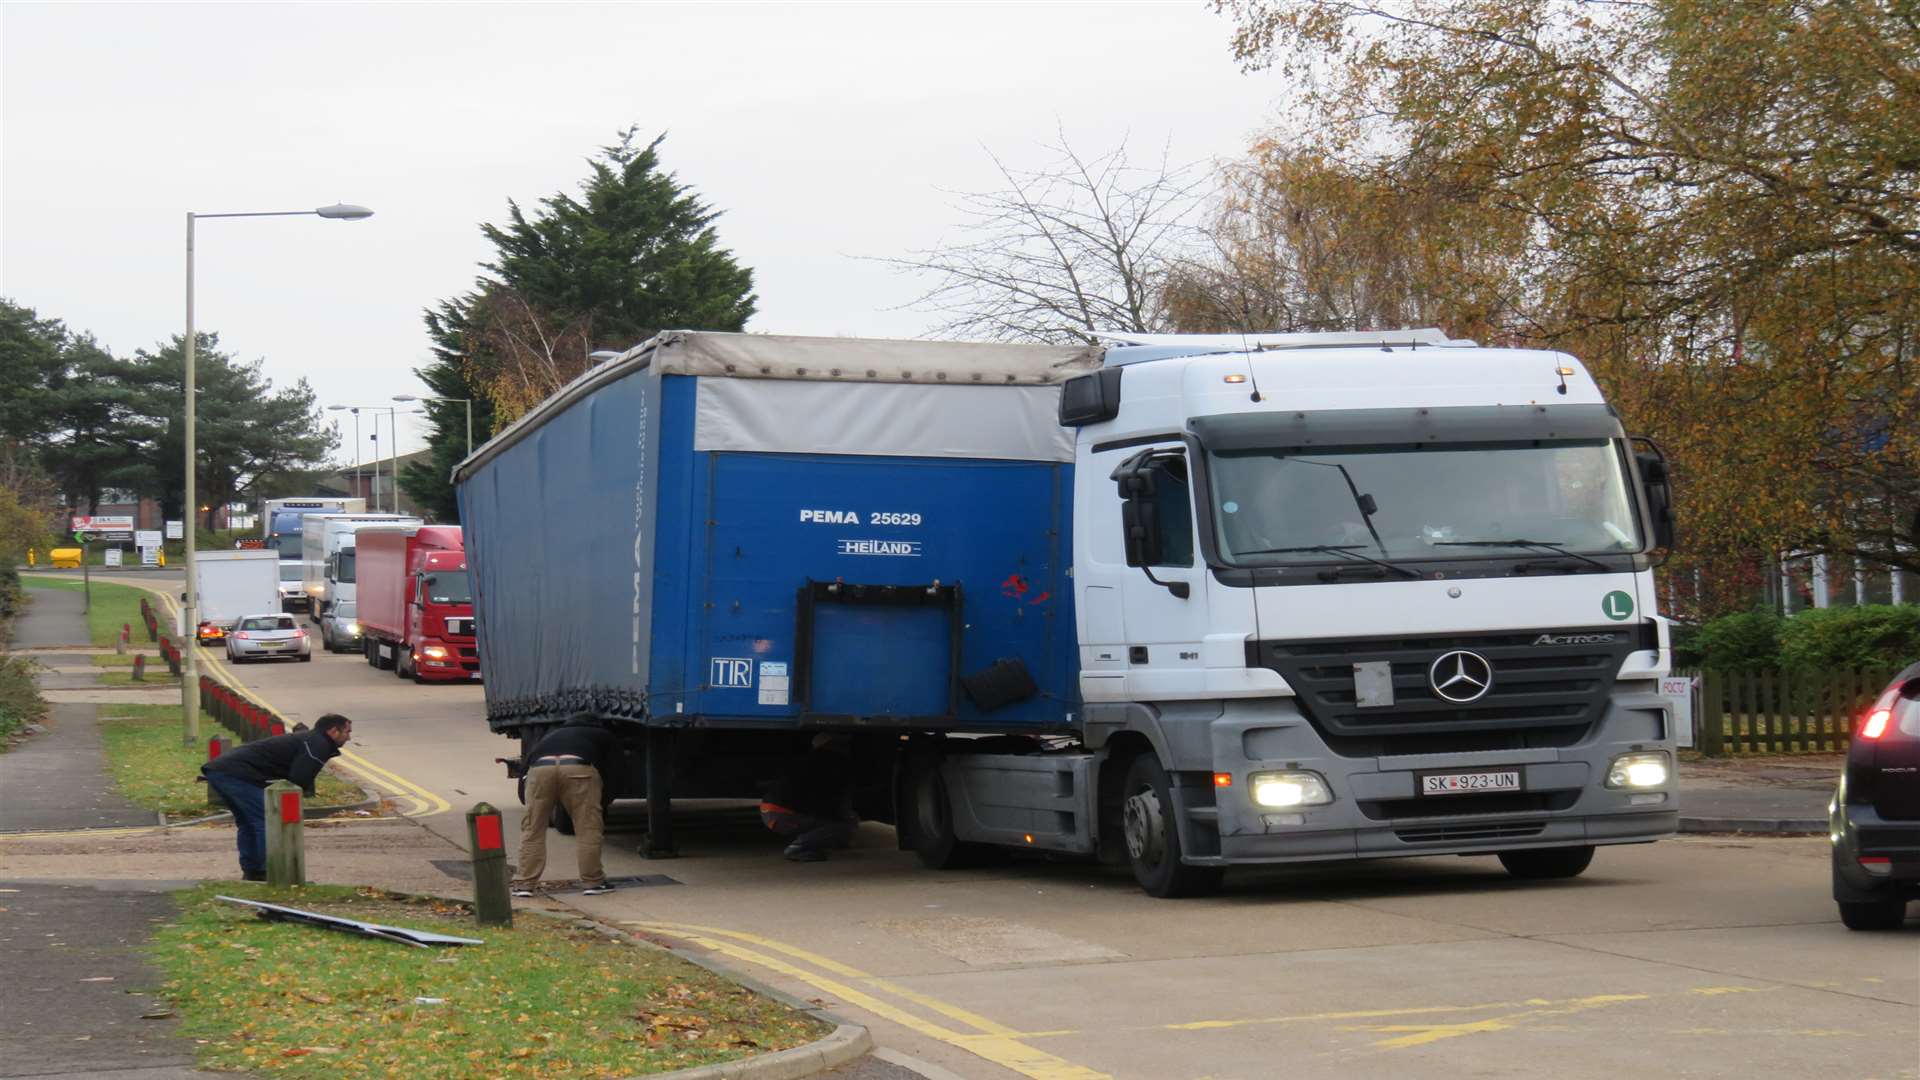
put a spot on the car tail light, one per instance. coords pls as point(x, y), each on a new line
point(1877, 865)
point(300, 632)
point(1876, 724)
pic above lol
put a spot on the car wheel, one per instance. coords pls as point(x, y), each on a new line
point(1153, 835)
point(1873, 914)
point(1547, 863)
point(307, 657)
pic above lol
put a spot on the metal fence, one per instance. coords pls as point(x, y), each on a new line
point(1782, 712)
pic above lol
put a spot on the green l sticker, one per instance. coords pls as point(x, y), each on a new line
point(1616, 605)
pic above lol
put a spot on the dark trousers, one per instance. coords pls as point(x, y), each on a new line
point(248, 801)
point(805, 830)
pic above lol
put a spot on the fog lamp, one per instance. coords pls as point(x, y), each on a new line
point(1284, 789)
point(1639, 771)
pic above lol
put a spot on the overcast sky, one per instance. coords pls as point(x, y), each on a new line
point(824, 131)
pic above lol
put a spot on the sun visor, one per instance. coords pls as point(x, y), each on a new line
point(1390, 427)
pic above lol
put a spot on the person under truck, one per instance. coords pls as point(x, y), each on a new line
point(240, 777)
point(568, 768)
point(811, 804)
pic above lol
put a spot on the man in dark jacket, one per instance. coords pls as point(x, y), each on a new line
point(241, 775)
point(568, 767)
point(811, 804)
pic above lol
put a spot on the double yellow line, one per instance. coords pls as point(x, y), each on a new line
point(958, 1027)
point(416, 801)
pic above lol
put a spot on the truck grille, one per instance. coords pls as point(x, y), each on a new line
point(1497, 830)
point(1541, 695)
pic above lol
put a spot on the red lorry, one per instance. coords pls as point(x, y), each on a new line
point(415, 604)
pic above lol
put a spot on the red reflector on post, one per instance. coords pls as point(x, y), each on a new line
point(1223, 779)
point(1876, 724)
point(278, 728)
point(486, 832)
point(289, 807)
point(213, 748)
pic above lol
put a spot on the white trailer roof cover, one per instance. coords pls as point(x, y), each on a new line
point(778, 394)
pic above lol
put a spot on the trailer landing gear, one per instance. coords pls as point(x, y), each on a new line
point(658, 843)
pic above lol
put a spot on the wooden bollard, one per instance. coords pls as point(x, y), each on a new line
point(486, 839)
point(139, 667)
point(215, 747)
point(126, 638)
point(286, 848)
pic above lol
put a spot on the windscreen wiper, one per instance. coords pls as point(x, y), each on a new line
point(1537, 545)
point(1346, 551)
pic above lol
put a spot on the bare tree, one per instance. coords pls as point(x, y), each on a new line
point(1062, 253)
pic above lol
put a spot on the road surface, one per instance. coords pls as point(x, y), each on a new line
point(1693, 957)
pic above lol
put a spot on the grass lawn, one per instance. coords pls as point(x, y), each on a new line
point(542, 999)
point(153, 770)
point(113, 605)
point(156, 675)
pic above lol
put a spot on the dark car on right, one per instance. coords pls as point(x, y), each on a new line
point(1876, 812)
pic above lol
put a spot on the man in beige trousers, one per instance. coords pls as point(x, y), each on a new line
point(568, 768)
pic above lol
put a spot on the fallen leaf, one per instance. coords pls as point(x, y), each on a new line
point(99, 978)
point(316, 997)
point(295, 1051)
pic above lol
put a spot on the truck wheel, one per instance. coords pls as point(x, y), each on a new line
point(929, 823)
point(1873, 914)
point(1544, 864)
point(1153, 839)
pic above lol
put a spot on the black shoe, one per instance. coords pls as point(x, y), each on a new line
point(796, 853)
point(253, 875)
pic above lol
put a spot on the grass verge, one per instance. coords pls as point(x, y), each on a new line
point(542, 999)
point(20, 700)
point(160, 677)
point(113, 606)
point(152, 769)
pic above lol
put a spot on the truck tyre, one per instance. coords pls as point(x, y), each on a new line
point(1153, 836)
point(1873, 914)
point(929, 822)
point(1544, 864)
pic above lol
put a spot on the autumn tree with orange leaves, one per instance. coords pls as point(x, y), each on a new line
point(1714, 205)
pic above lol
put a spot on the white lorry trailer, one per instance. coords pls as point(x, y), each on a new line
point(231, 585)
point(1186, 603)
point(326, 556)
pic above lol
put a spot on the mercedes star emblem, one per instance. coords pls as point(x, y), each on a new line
point(1461, 676)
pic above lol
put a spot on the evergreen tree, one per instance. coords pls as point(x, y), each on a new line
point(634, 253)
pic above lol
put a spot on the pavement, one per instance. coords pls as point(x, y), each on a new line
point(1782, 794)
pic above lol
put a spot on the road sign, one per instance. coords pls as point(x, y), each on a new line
point(176, 530)
point(150, 556)
point(251, 543)
point(146, 538)
point(100, 522)
point(113, 556)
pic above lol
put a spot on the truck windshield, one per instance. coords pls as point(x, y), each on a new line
point(292, 571)
point(343, 567)
point(1442, 502)
point(448, 587)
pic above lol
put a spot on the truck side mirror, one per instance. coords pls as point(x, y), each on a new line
point(1140, 516)
point(1654, 475)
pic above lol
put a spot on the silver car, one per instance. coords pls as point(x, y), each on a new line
point(340, 628)
point(261, 636)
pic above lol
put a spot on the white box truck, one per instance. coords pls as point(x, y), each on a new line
point(326, 556)
point(233, 584)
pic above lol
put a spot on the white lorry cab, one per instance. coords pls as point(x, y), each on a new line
point(326, 556)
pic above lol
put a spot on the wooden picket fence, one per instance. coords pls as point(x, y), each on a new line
point(1782, 712)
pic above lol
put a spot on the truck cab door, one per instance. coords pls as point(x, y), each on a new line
point(1164, 599)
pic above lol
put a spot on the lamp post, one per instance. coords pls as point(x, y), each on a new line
point(393, 502)
point(189, 608)
point(468, 402)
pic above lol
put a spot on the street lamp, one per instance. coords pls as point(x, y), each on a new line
point(468, 402)
point(393, 477)
point(189, 609)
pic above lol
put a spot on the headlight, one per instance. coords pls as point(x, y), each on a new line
point(352, 628)
point(316, 589)
point(1284, 789)
point(434, 651)
point(1639, 770)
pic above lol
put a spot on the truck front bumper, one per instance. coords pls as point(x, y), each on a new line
point(1378, 811)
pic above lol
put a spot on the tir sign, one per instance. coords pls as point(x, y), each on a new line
point(731, 674)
